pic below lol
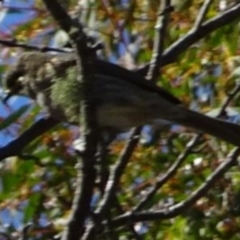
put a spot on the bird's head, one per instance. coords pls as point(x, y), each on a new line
point(13, 83)
point(18, 78)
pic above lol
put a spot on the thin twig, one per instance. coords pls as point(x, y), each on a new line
point(25, 230)
point(179, 208)
point(117, 171)
point(196, 34)
point(113, 181)
point(202, 13)
point(228, 100)
point(158, 47)
point(129, 226)
point(14, 43)
point(171, 171)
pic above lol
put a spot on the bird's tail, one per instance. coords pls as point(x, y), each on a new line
point(226, 131)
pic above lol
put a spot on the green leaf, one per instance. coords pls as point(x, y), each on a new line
point(13, 117)
point(231, 39)
point(32, 206)
point(9, 183)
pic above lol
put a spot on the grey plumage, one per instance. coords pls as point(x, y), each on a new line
point(122, 98)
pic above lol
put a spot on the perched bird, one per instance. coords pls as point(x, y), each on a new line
point(122, 98)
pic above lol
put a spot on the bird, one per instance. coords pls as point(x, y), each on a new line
point(122, 98)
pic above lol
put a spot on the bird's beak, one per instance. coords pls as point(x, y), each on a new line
point(9, 94)
point(14, 90)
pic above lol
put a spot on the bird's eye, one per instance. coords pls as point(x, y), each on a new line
point(20, 80)
point(19, 84)
point(13, 89)
point(13, 79)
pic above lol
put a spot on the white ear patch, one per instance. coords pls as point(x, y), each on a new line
point(21, 79)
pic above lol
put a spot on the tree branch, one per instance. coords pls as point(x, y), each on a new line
point(14, 43)
point(113, 180)
point(202, 13)
point(228, 100)
point(179, 208)
point(170, 173)
point(16, 146)
point(158, 48)
point(87, 173)
point(196, 34)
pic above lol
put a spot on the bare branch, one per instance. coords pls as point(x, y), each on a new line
point(25, 230)
point(85, 58)
point(179, 208)
point(120, 210)
point(171, 171)
point(15, 147)
point(59, 15)
point(196, 34)
point(117, 172)
point(113, 180)
point(161, 27)
point(230, 97)
point(202, 13)
point(14, 43)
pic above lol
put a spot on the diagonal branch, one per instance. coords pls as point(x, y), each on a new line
point(228, 100)
point(196, 34)
point(113, 180)
point(171, 171)
point(117, 172)
point(16, 146)
point(179, 208)
point(202, 13)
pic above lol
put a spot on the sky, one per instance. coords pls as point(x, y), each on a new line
point(12, 13)
point(9, 19)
